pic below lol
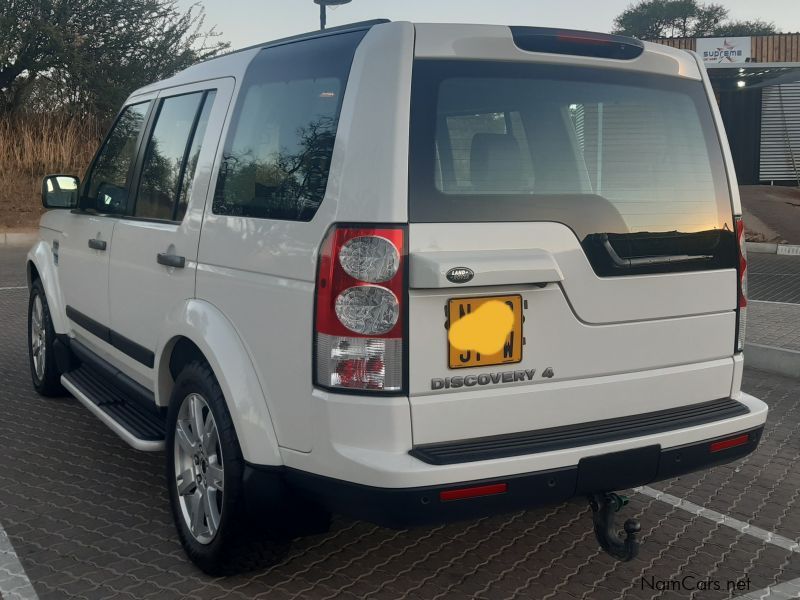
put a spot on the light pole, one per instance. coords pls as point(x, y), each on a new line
point(322, 7)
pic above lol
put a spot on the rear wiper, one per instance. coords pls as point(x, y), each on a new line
point(639, 261)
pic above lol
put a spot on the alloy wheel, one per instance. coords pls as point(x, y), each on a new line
point(38, 337)
point(199, 468)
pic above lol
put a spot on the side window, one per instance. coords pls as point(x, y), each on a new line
point(278, 153)
point(107, 187)
point(171, 156)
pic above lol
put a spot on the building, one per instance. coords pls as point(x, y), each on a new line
point(757, 84)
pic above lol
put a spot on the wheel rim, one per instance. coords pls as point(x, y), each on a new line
point(38, 346)
point(199, 470)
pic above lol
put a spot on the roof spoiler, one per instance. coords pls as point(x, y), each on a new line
point(359, 26)
point(576, 43)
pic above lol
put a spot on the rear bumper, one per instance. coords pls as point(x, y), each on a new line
point(403, 507)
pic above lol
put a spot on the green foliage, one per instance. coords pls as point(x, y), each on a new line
point(745, 28)
point(86, 56)
point(651, 19)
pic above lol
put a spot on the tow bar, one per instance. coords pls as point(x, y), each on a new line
point(604, 505)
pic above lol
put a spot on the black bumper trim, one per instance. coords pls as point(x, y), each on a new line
point(404, 507)
point(580, 434)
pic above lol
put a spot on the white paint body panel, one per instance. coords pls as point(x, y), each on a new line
point(41, 256)
point(369, 447)
point(617, 346)
point(490, 267)
point(261, 272)
point(594, 299)
point(83, 272)
point(494, 42)
point(231, 361)
point(134, 272)
point(522, 407)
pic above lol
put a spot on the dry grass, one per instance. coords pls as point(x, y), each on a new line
point(32, 146)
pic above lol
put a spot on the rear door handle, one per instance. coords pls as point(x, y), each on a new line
point(96, 244)
point(171, 260)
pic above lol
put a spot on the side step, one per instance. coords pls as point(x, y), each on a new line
point(141, 428)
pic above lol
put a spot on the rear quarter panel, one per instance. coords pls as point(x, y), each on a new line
point(260, 273)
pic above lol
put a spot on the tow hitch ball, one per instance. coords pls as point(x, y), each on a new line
point(604, 505)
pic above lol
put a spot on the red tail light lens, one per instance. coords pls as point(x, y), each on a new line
point(360, 312)
point(741, 304)
point(577, 43)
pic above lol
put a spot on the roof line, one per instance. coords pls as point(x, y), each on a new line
point(358, 26)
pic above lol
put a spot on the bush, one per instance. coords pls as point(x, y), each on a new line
point(33, 145)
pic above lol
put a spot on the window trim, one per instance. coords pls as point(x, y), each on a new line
point(186, 150)
point(142, 151)
point(229, 131)
point(90, 171)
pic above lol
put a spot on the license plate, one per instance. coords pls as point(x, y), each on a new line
point(511, 351)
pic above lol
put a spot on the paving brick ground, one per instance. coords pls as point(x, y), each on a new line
point(88, 518)
point(773, 325)
point(772, 277)
point(773, 315)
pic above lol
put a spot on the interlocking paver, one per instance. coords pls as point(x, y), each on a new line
point(89, 518)
point(773, 324)
point(773, 277)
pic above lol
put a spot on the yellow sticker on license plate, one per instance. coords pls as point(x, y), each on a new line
point(480, 327)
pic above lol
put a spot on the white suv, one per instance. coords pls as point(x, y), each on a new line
point(407, 272)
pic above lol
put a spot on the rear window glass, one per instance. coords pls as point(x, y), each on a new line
point(629, 161)
point(278, 153)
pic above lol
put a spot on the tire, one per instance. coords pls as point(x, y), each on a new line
point(208, 472)
point(45, 375)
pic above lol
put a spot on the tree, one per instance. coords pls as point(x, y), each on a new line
point(88, 55)
point(745, 28)
point(651, 19)
point(707, 19)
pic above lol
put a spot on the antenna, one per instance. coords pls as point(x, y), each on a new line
point(323, 4)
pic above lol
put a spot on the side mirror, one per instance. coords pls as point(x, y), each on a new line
point(60, 191)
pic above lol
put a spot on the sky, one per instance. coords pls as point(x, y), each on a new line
point(247, 22)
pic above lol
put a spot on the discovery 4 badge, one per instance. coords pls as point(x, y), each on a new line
point(438, 383)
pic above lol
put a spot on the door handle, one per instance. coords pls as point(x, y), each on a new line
point(171, 260)
point(96, 244)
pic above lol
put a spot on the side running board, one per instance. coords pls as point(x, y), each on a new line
point(116, 400)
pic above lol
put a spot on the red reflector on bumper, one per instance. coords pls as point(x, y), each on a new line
point(473, 492)
point(739, 440)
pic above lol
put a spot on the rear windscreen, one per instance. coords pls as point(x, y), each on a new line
point(629, 161)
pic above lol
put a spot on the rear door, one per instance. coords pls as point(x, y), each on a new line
point(154, 257)
point(572, 255)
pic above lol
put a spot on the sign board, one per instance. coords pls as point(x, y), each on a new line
point(724, 50)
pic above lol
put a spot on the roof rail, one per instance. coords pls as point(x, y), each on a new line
point(358, 26)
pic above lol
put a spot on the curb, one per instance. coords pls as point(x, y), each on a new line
point(780, 361)
point(18, 238)
point(771, 248)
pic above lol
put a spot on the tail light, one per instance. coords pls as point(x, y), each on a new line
point(360, 309)
point(741, 303)
point(576, 43)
